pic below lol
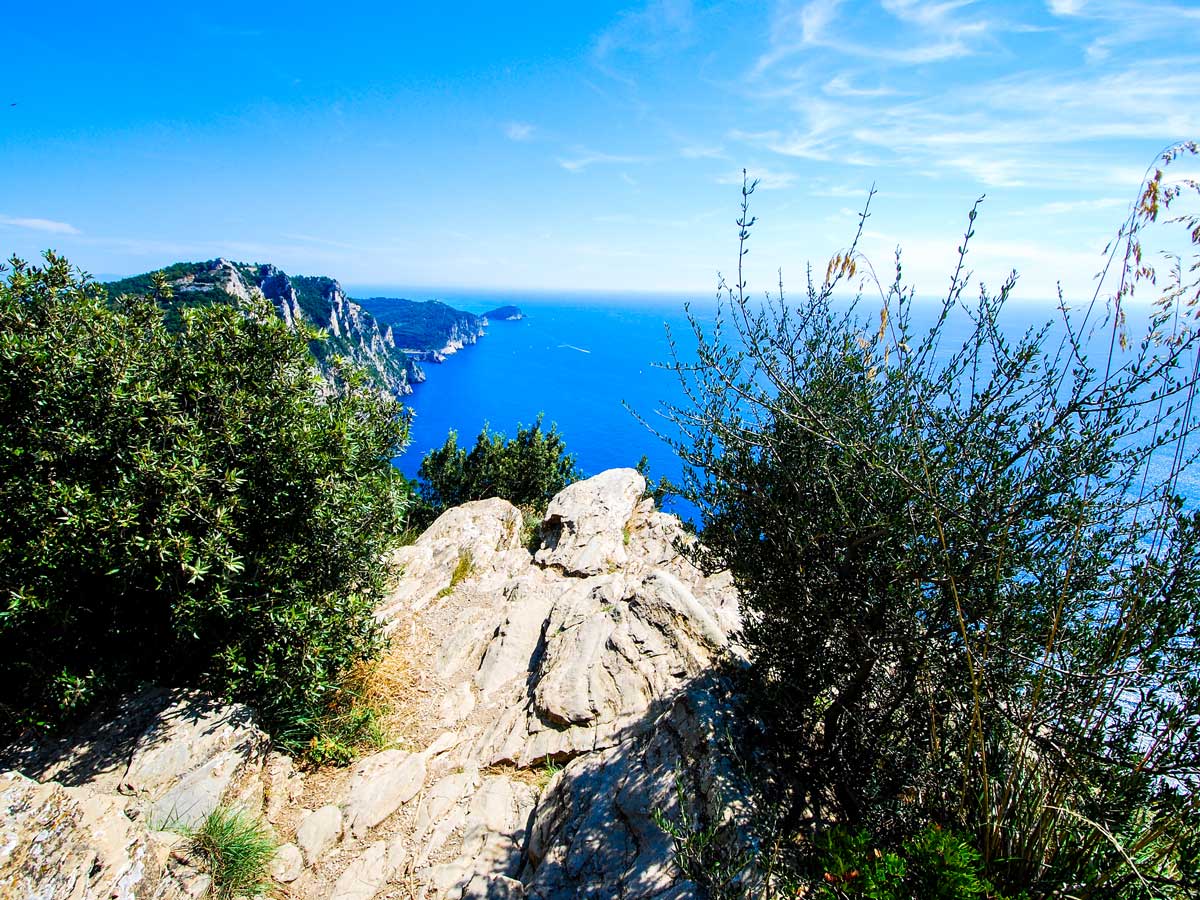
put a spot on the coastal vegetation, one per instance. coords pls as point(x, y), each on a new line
point(424, 327)
point(969, 583)
point(206, 287)
point(183, 502)
point(527, 470)
point(346, 329)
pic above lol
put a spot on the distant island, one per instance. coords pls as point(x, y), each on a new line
point(387, 336)
point(429, 330)
point(504, 314)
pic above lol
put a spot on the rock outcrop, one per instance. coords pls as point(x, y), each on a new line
point(562, 700)
point(351, 331)
point(101, 815)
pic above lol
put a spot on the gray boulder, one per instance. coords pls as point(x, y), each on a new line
point(70, 844)
point(594, 652)
point(380, 783)
point(583, 532)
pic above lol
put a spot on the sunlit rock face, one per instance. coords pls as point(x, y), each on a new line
point(556, 691)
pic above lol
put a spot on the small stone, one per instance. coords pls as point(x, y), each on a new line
point(195, 885)
point(365, 876)
point(447, 740)
point(319, 831)
point(379, 786)
point(284, 785)
point(584, 529)
point(457, 704)
point(287, 864)
point(493, 887)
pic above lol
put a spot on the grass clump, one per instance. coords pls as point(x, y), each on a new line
point(531, 528)
point(463, 569)
point(372, 710)
point(236, 849)
point(535, 776)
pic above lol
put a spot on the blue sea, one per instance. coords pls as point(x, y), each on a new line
point(583, 361)
point(576, 360)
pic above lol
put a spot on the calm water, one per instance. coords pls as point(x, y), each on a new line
point(575, 361)
point(579, 360)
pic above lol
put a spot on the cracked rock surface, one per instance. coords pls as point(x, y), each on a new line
point(560, 697)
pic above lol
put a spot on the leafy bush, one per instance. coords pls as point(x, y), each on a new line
point(527, 470)
point(935, 864)
point(970, 588)
point(189, 506)
point(237, 849)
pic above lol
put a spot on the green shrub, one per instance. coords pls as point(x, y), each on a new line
point(935, 864)
point(527, 470)
point(338, 736)
point(190, 506)
point(237, 850)
point(969, 585)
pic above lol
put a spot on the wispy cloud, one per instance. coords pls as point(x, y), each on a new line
point(49, 226)
point(1065, 7)
point(1021, 129)
point(1071, 207)
point(324, 242)
point(841, 86)
point(936, 32)
point(659, 25)
point(586, 159)
point(518, 131)
point(839, 190)
point(1121, 23)
point(701, 151)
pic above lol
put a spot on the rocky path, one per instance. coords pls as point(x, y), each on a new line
point(556, 700)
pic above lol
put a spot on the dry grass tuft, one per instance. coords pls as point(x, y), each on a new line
point(391, 686)
point(536, 776)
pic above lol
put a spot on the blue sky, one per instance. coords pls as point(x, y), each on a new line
point(586, 145)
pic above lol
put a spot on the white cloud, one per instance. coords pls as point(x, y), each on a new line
point(587, 158)
point(518, 131)
point(697, 151)
point(1066, 7)
point(815, 18)
point(1125, 22)
point(841, 86)
point(660, 27)
point(1024, 129)
point(839, 190)
point(47, 225)
point(1070, 207)
point(935, 33)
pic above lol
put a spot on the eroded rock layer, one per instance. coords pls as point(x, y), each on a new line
point(558, 698)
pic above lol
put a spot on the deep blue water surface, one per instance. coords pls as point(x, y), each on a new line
point(573, 359)
point(578, 359)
